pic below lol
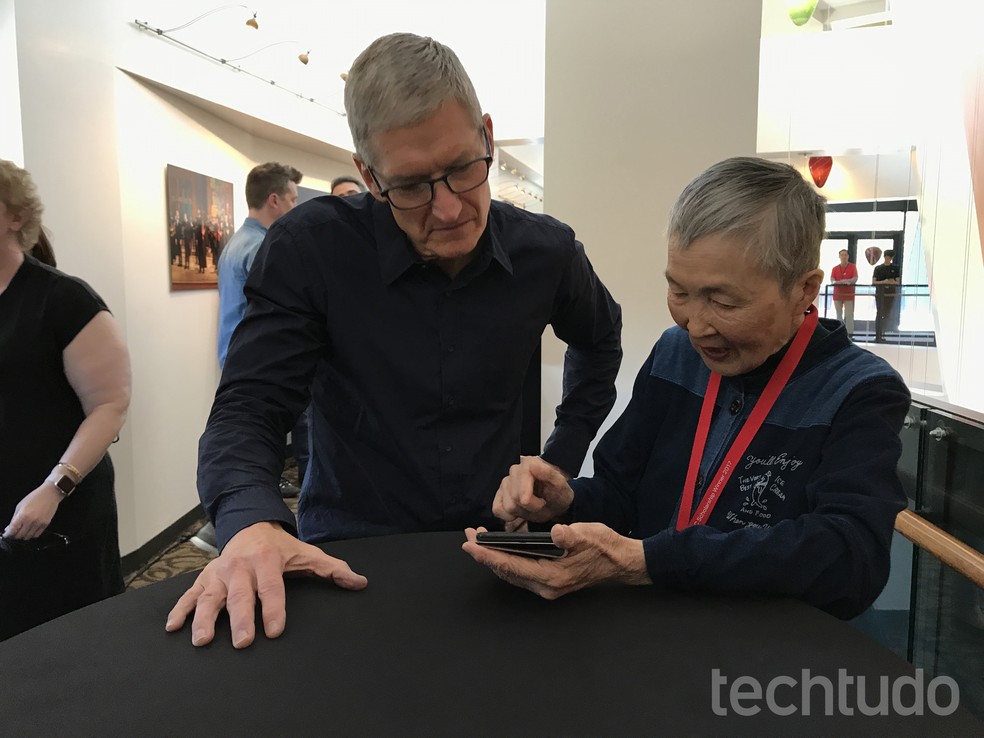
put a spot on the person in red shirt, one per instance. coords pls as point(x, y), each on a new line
point(843, 277)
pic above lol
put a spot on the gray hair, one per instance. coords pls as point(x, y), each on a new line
point(20, 197)
point(401, 80)
point(766, 205)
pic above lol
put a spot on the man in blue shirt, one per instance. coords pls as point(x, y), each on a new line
point(271, 191)
point(412, 312)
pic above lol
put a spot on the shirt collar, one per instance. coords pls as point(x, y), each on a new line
point(498, 252)
point(396, 253)
point(254, 223)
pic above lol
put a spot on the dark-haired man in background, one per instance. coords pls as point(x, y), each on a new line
point(886, 278)
point(346, 186)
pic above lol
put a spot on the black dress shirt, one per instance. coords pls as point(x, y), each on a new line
point(415, 378)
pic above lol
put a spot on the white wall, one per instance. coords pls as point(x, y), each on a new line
point(69, 143)
point(835, 91)
point(172, 335)
point(638, 102)
point(11, 144)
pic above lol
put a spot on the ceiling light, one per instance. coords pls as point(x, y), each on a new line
point(252, 23)
point(302, 57)
point(800, 11)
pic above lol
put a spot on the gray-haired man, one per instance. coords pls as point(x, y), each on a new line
point(412, 312)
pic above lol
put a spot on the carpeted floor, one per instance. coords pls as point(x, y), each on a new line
point(182, 555)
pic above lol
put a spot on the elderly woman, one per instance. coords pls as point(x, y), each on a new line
point(758, 451)
point(64, 392)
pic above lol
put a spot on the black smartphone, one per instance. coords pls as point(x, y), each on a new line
point(533, 545)
point(47, 541)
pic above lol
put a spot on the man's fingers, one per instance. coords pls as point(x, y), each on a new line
point(273, 601)
point(182, 608)
point(241, 604)
point(252, 566)
point(328, 567)
point(207, 608)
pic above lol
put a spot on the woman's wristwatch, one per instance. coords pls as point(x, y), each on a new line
point(65, 477)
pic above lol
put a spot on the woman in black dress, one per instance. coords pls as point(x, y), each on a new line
point(64, 393)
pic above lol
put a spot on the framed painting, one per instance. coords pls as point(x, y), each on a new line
point(200, 222)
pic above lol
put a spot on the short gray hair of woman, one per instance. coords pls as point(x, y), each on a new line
point(19, 195)
point(767, 206)
point(401, 80)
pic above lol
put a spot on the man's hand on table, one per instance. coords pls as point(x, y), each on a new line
point(253, 564)
point(594, 554)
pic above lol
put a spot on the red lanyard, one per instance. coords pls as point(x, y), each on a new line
point(761, 410)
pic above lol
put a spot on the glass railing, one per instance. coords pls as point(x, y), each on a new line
point(905, 309)
point(930, 614)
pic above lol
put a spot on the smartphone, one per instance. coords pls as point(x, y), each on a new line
point(47, 541)
point(533, 545)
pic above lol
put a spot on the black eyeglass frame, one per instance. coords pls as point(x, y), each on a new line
point(488, 159)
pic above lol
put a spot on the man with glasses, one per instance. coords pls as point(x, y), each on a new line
point(412, 312)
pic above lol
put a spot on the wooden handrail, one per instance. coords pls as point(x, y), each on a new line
point(951, 551)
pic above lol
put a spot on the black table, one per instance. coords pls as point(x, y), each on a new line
point(436, 645)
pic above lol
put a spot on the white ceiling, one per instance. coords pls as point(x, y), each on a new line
point(500, 44)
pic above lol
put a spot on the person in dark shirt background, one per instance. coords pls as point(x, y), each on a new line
point(885, 277)
point(412, 312)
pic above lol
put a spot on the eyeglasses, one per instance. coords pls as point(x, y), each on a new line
point(459, 180)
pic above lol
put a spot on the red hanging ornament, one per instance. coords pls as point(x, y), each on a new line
point(820, 169)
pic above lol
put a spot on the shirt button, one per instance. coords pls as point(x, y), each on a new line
point(448, 449)
point(448, 293)
point(450, 401)
point(451, 349)
point(735, 407)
